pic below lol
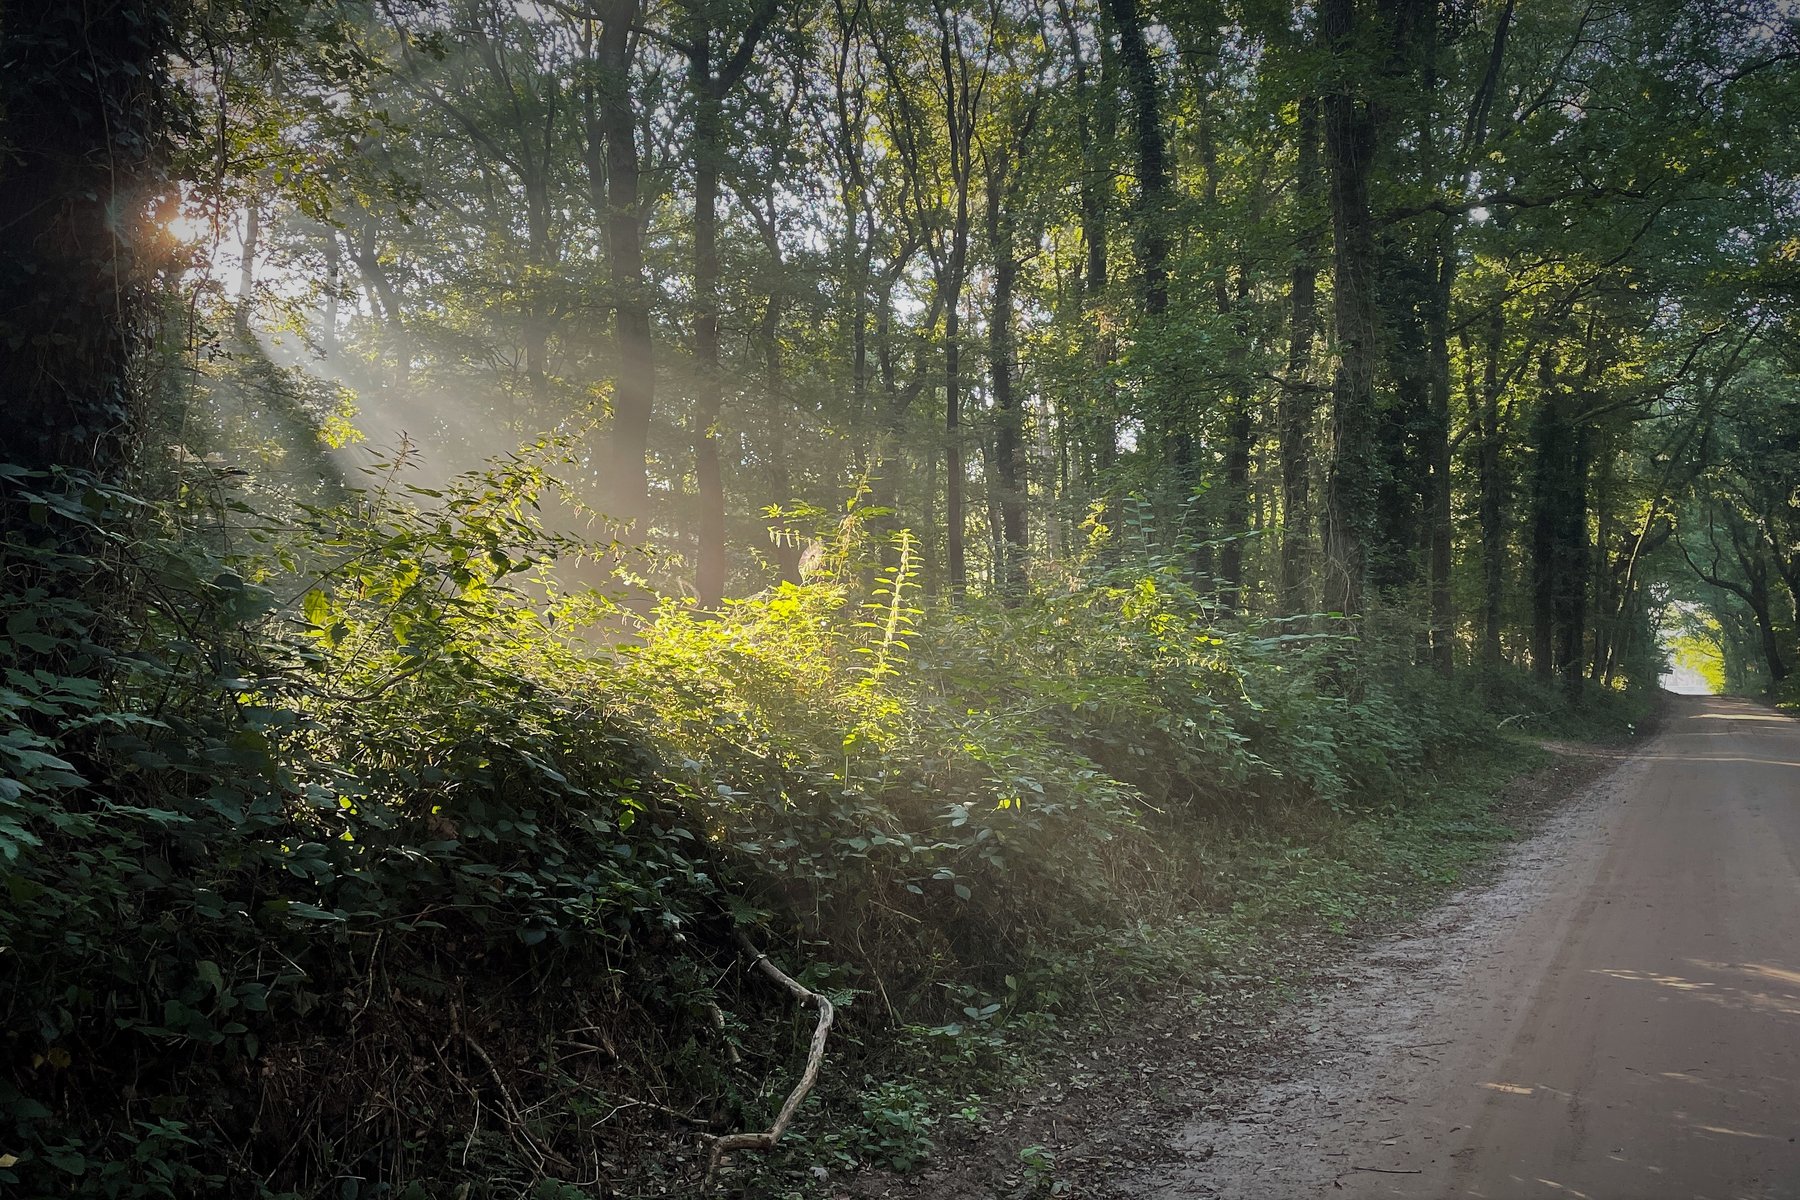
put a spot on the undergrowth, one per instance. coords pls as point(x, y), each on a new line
point(342, 857)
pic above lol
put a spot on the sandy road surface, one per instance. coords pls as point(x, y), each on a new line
point(1618, 1017)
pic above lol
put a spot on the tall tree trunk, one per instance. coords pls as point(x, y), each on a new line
point(1240, 437)
point(540, 256)
point(956, 553)
point(1009, 441)
point(1239, 419)
point(1150, 237)
point(1576, 560)
point(613, 176)
point(1096, 125)
point(856, 254)
point(1151, 224)
point(1096, 117)
point(1605, 593)
point(1294, 411)
point(1490, 486)
point(1765, 628)
point(961, 95)
point(776, 417)
point(785, 534)
point(1487, 417)
point(1755, 571)
point(1549, 466)
point(709, 384)
point(81, 111)
point(1435, 434)
point(1240, 430)
point(1438, 516)
point(709, 88)
point(1350, 131)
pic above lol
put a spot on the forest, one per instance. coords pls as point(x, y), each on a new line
point(648, 597)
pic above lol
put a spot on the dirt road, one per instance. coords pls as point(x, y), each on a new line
point(1617, 1017)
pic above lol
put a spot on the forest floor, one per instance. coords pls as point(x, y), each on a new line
point(1358, 1064)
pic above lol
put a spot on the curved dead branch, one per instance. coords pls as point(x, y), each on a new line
point(815, 1057)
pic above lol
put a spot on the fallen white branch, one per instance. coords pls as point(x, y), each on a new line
point(815, 1057)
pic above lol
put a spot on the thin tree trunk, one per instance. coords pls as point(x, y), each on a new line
point(1009, 441)
point(709, 385)
point(709, 88)
point(1604, 587)
point(246, 297)
point(1350, 481)
point(1549, 451)
point(956, 552)
point(776, 416)
point(1438, 517)
point(1574, 551)
point(1239, 420)
point(540, 256)
point(1294, 412)
point(961, 97)
point(1491, 502)
point(334, 285)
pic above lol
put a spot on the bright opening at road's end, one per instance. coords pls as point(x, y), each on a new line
point(1691, 647)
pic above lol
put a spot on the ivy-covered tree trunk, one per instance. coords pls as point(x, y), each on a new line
point(1607, 601)
point(1150, 230)
point(1765, 625)
point(83, 110)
